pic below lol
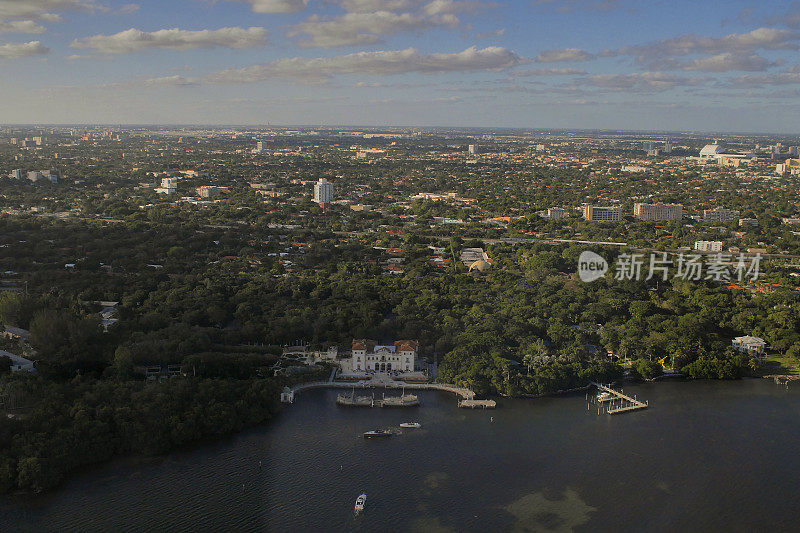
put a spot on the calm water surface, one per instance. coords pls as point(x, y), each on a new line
point(706, 456)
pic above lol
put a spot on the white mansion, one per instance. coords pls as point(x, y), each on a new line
point(398, 357)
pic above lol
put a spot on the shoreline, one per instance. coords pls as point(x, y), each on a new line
point(190, 446)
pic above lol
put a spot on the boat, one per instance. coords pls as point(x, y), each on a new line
point(360, 501)
point(406, 400)
point(411, 425)
point(605, 397)
point(377, 433)
point(355, 401)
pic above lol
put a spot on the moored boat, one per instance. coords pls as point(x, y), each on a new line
point(605, 397)
point(411, 425)
point(377, 433)
point(360, 502)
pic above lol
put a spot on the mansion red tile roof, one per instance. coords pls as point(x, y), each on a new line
point(369, 345)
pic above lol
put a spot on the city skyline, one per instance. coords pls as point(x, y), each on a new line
point(543, 64)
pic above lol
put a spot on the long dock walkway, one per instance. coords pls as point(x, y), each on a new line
point(467, 396)
point(620, 403)
point(477, 404)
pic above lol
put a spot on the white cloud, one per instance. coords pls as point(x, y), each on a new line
point(759, 39)
point(277, 6)
point(730, 62)
point(496, 33)
point(373, 63)
point(367, 21)
point(370, 6)
point(20, 26)
point(41, 9)
point(127, 9)
point(133, 40)
point(548, 72)
point(17, 50)
point(365, 28)
point(429, 7)
point(789, 18)
point(441, 7)
point(569, 6)
point(563, 55)
point(790, 76)
point(23, 16)
point(641, 81)
point(171, 81)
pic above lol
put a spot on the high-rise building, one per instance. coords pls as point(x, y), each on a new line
point(748, 222)
point(667, 147)
point(210, 191)
point(657, 212)
point(16, 174)
point(51, 175)
point(720, 214)
point(323, 191)
point(602, 214)
point(168, 186)
point(471, 149)
point(555, 213)
point(708, 246)
point(37, 175)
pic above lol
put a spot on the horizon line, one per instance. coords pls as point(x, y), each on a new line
point(377, 127)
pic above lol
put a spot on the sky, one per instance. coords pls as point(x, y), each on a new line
point(656, 65)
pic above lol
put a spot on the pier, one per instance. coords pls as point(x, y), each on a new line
point(466, 396)
point(619, 402)
point(477, 404)
point(782, 379)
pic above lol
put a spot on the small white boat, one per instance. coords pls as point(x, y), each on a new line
point(605, 397)
point(411, 425)
point(360, 502)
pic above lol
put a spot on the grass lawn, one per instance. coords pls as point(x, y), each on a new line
point(779, 364)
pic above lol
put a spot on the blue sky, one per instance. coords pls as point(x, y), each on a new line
point(612, 64)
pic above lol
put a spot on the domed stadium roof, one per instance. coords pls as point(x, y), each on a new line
point(480, 265)
point(710, 149)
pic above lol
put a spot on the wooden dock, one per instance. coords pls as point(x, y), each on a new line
point(462, 392)
point(620, 403)
point(477, 404)
point(466, 396)
point(784, 377)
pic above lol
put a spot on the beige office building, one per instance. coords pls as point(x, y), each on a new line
point(602, 214)
point(658, 212)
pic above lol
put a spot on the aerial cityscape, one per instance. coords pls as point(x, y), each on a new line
point(399, 265)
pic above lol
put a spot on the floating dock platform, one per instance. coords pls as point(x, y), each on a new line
point(477, 404)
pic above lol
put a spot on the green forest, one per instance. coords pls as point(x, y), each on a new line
point(217, 288)
point(527, 327)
